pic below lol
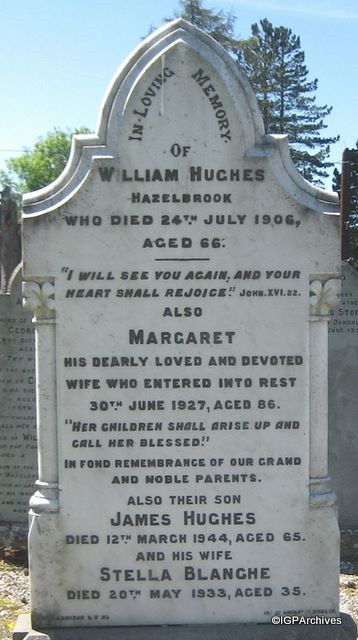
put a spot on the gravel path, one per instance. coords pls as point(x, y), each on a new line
point(349, 589)
point(14, 597)
point(14, 594)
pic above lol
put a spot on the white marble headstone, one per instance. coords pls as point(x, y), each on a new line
point(172, 270)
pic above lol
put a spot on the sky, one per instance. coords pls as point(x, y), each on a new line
point(58, 58)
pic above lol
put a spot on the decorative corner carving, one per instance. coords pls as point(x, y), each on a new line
point(39, 298)
point(324, 296)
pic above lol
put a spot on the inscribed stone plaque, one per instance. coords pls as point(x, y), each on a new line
point(18, 467)
point(183, 474)
point(343, 399)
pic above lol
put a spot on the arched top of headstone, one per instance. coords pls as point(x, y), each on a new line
point(16, 277)
point(157, 46)
point(221, 100)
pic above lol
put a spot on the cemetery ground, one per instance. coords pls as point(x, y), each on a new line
point(15, 598)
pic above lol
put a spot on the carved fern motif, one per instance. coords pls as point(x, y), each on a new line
point(39, 298)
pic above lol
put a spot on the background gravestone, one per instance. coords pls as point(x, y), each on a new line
point(18, 454)
point(181, 274)
point(10, 243)
point(343, 399)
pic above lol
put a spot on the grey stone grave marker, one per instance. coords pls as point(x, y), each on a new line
point(18, 454)
point(343, 399)
point(10, 243)
point(181, 361)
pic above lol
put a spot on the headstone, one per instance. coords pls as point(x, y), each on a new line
point(10, 243)
point(182, 380)
point(18, 451)
point(343, 399)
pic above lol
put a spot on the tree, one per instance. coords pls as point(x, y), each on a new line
point(349, 202)
point(274, 63)
point(218, 24)
point(40, 166)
